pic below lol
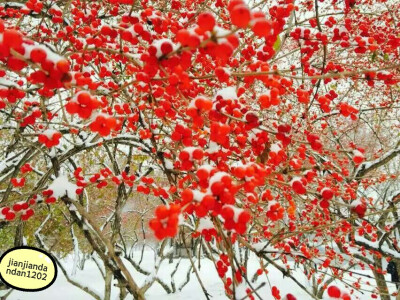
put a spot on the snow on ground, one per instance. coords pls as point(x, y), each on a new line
point(91, 277)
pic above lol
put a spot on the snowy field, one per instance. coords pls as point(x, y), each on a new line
point(91, 277)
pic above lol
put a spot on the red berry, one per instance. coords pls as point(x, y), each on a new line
point(327, 194)
point(240, 16)
point(161, 212)
point(17, 207)
point(206, 21)
point(184, 155)
point(166, 48)
point(324, 204)
point(5, 210)
point(202, 174)
point(198, 154)
point(261, 27)
point(138, 28)
point(187, 195)
point(290, 297)
point(12, 38)
point(63, 66)
point(346, 297)
point(227, 213)
point(360, 210)
point(38, 55)
point(208, 202)
point(358, 159)
point(233, 3)
point(183, 36)
point(244, 217)
point(298, 187)
point(15, 64)
point(334, 291)
point(10, 216)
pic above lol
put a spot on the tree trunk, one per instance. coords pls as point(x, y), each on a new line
point(107, 284)
point(19, 235)
point(380, 280)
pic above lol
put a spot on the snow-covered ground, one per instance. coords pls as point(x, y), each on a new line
point(91, 277)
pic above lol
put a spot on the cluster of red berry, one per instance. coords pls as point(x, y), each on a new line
point(359, 207)
point(103, 125)
point(196, 108)
point(202, 204)
point(271, 98)
point(132, 33)
point(82, 104)
point(326, 194)
point(165, 223)
point(275, 211)
point(49, 138)
point(219, 133)
point(283, 134)
point(18, 182)
point(54, 70)
point(23, 207)
point(314, 141)
point(26, 168)
point(101, 178)
point(242, 17)
point(12, 94)
point(188, 155)
point(49, 198)
point(30, 119)
point(348, 111)
point(235, 219)
point(182, 134)
point(124, 177)
point(18, 52)
point(222, 265)
point(34, 5)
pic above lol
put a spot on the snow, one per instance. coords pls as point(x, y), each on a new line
point(50, 54)
point(275, 148)
point(357, 153)
point(16, 4)
point(7, 83)
point(375, 245)
point(294, 180)
point(61, 289)
point(227, 93)
point(240, 291)
point(369, 164)
point(168, 164)
point(61, 187)
point(198, 196)
point(221, 32)
point(253, 134)
point(206, 167)
point(49, 133)
point(205, 223)
point(213, 147)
